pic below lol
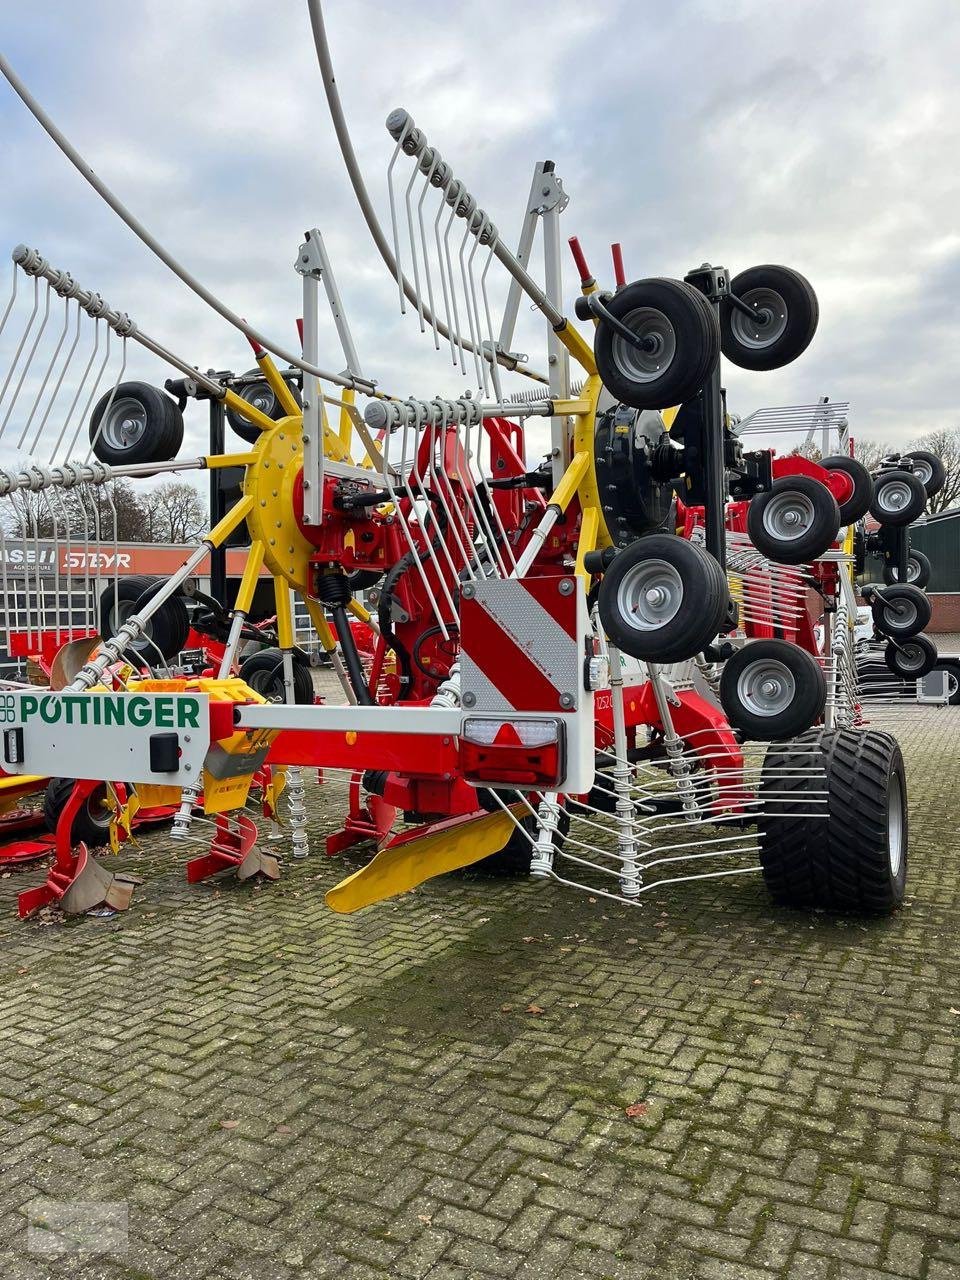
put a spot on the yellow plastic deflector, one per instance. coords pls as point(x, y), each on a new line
point(401, 867)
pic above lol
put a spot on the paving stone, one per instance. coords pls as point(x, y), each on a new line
point(275, 1091)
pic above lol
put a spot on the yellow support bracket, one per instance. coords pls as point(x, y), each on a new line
point(321, 625)
point(346, 423)
point(251, 573)
point(285, 397)
point(565, 491)
point(571, 408)
point(281, 593)
point(216, 461)
point(578, 346)
point(246, 410)
point(234, 517)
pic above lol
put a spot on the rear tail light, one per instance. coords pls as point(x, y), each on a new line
point(512, 753)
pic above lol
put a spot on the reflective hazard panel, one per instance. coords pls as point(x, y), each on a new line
point(524, 645)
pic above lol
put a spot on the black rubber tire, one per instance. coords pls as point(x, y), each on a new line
point(159, 432)
point(953, 673)
point(91, 823)
point(911, 659)
point(932, 474)
point(859, 552)
point(918, 570)
point(360, 579)
point(842, 862)
point(822, 513)
point(701, 599)
point(263, 672)
point(677, 311)
point(800, 315)
point(900, 611)
point(856, 506)
point(910, 509)
point(515, 857)
point(167, 629)
point(802, 711)
point(260, 394)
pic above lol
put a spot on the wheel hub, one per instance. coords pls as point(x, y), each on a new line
point(894, 496)
point(767, 323)
point(766, 688)
point(787, 516)
point(656, 349)
point(650, 595)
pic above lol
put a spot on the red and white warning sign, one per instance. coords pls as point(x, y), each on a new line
point(523, 644)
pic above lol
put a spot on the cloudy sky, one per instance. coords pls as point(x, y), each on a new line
point(819, 133)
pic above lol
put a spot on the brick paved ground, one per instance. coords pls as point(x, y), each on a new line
point(277, 1092)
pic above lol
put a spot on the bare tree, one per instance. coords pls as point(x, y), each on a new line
point(174, 512)
point(870, 452)
point(99, 512)
point(809, 450)
point(945, 443)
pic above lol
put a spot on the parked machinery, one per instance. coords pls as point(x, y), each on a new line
point(517, 704)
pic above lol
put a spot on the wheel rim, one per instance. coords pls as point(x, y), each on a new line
point(265, 683)
point(768, 323)
point(894, 496)
point(911, 657)
point(900, 614)
point(788, 516)
point(650, 595)
point(650, 362)
point(119, 613)
point(97, 809)
point(895, 826)
point(261, 397)
point(125, 425)
point(766, 687)
point(953, 684)
point(922, 469)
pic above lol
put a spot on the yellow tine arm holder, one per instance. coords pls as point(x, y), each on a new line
point(248, 583)
point(321, 625)
point(234, 517)
point(279, 387)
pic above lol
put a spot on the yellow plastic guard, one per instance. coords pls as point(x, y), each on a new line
point(231, 762)
point(401, 867)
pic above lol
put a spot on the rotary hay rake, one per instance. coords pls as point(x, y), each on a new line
point(524, 701)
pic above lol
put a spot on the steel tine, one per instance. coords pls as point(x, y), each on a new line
point(93, 391)
point(12, 300)
point(411, 543)
point(442, 268)
point(474, 336)
point(27, 363)
point(433, 158)
point(416, 477)
point(452, 198)
point(440, 483)
point(484, 363)
point(480, 508)
point(393, 218)
point(79, 391)
point(109, 405)
point(413, 247)
point(494, 363)
point(46, 377)
point(22, 343)
point(56, 390)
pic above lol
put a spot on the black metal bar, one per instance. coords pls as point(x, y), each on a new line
point(218, 556)
point(714, 467)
